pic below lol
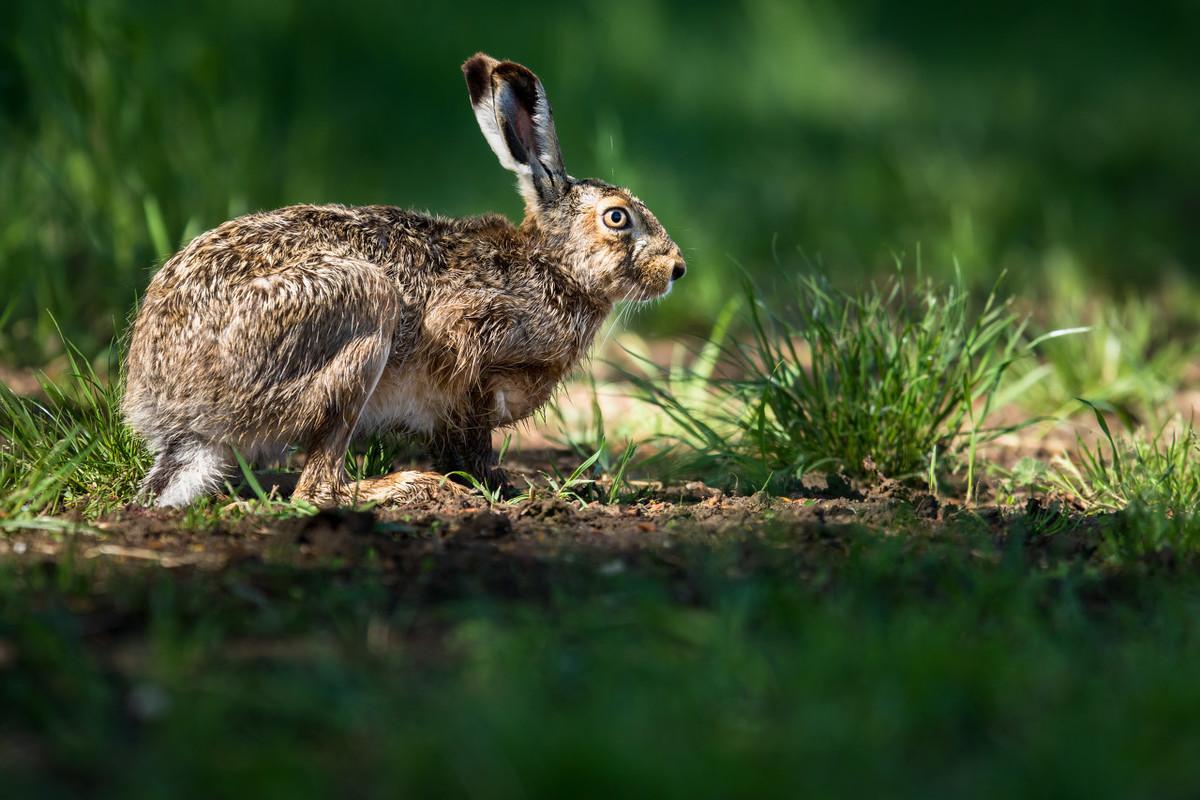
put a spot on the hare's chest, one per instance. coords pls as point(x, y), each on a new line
point(515, 396)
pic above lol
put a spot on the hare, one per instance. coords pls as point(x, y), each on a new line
point(311, 324)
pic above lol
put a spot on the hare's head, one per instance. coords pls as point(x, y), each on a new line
point(605, 235)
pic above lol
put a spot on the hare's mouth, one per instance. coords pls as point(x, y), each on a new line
point(660, 277)
point(654, 290)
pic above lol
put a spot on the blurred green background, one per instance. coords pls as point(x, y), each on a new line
point(770, 137)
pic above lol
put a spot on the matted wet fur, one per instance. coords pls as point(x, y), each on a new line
point(311, 324)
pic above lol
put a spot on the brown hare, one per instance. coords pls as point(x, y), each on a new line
point(311, 324)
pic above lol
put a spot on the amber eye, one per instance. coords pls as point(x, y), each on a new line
point(616, 218)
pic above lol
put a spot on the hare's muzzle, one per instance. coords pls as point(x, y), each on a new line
point(678, 269)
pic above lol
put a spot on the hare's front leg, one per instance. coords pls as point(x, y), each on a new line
point(466, 446)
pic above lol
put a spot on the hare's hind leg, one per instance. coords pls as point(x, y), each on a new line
point(323, 480)
point(313, 366)
point(345, 385)
point(324, 483)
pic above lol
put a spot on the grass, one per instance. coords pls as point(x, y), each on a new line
point(1142, 489)
point(769, 666)
point(1158, 469)
point(1140, 534)
point(378, 455)
point(575, 486)
point(896, 380)
point(1129, 353)
point(1145, 486)
point(68, 449)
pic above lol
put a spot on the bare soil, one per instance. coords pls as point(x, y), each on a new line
point(460, 533)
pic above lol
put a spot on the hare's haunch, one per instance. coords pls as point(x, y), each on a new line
point(312, 324)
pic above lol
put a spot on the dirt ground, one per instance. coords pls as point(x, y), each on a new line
point(462, 532)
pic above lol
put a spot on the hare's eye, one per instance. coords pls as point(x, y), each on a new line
point(616, 218)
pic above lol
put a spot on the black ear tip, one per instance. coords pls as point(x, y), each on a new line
point(513, 72)
point(522, 80)
point(477, 70)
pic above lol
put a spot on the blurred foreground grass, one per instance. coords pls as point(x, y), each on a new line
point(833, 662)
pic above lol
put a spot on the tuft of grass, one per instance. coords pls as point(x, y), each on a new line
point(588, 438)
point(69, 449)
point(1157, 471)
point(378, 455)
point(569, 487)
point(576, 487)
point(263, 502)
point(1126, 354)
point(897, 381)
point(1145, 488)
point(613, 496)
point(492, 494)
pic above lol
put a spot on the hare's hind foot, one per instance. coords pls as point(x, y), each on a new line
point(397, 488)
point(407, 486)
point(184, 471)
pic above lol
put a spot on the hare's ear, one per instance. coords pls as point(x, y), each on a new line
point(515, 117)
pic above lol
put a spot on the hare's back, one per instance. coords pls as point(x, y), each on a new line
point(269, 243)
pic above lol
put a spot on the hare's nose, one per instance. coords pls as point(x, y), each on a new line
point(678, 269)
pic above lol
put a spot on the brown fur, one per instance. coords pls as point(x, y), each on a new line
point(310, 324)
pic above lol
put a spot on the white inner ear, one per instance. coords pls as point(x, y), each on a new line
point(485, 115)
